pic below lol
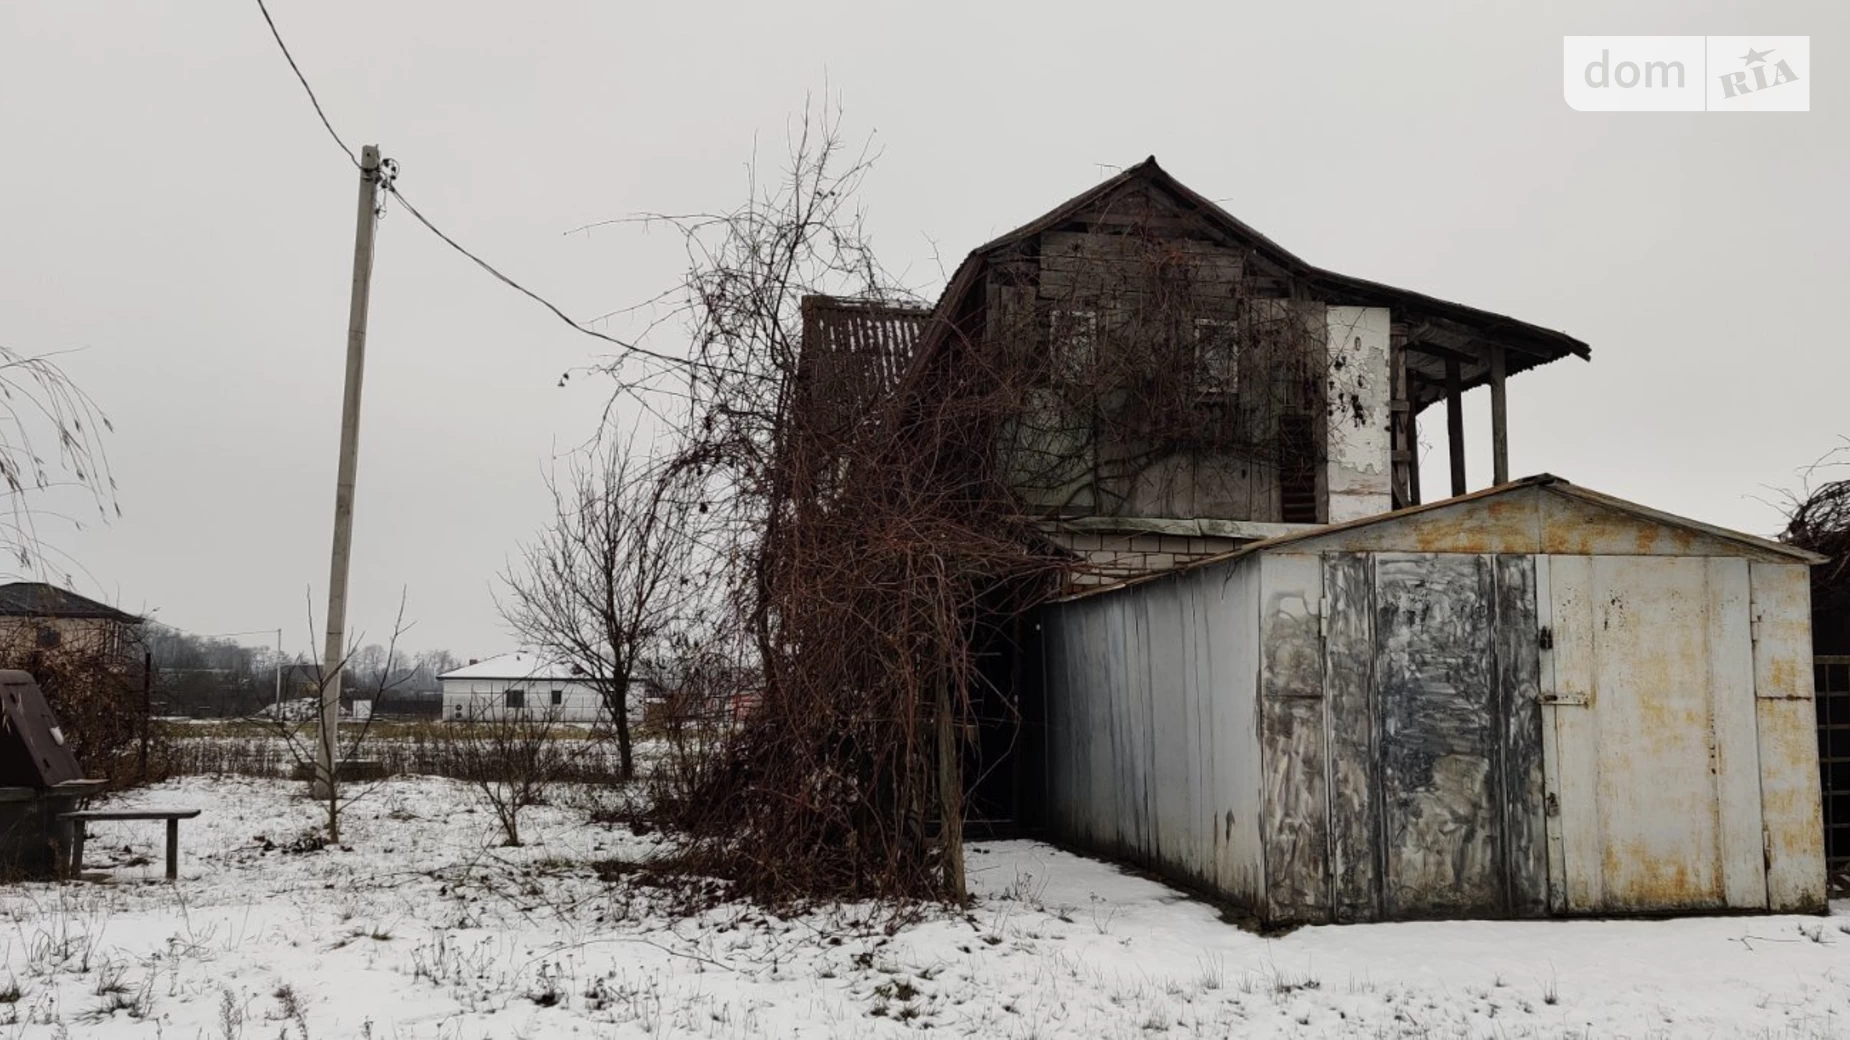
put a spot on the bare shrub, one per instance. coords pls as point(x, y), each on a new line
point(513, 758)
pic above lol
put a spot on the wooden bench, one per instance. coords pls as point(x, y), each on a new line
point(76, 820)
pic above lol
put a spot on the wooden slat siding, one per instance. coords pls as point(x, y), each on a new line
point(1518, 662)
point(1735, 750)
point(1355, 838)
point(1439, 733)
point(854, 352)
point(1296, 829)
point(1787, 720)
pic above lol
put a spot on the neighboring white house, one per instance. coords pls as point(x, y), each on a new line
point(520, 682)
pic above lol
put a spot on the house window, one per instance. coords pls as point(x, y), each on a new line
point(1217, 358)
point(558, 698)
point(516, 699)
point(1072, 338)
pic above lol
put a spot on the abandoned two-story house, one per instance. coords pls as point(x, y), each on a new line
point(1201, 386)
point(1274, 673)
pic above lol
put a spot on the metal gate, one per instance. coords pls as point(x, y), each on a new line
point(1650, 743)
point(1832, 676)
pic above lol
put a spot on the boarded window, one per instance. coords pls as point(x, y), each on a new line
point(1072, 340)
point(516, 698)
point(1217, 358)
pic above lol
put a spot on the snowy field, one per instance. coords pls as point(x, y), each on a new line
point(423, 927)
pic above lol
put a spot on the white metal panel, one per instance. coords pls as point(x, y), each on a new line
point(1230, 599)
point(1172, 749)
point(1634, 640)
point(1789, 787)
point(1576, 811)
point(1736, 751)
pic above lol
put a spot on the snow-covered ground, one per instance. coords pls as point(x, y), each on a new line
point(423, 927)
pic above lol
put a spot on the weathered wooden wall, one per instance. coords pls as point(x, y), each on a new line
point(1151, 735)
point(1102, 269)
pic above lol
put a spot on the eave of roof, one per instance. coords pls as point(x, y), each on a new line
point(42, 600)
point(1558, 485)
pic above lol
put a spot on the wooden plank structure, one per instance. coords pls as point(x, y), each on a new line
point(77, 822)
point(1533, 699)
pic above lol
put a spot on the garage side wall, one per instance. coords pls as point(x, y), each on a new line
point(1152, 745)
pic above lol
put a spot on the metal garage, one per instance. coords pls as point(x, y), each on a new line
point(1531, 700)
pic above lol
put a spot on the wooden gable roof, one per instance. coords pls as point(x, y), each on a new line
point(1444, 327)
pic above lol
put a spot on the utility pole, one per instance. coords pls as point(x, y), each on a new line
point(335, 655)
point(279, 675)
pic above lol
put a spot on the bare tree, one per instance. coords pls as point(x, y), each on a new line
point(39, 404)
point(608, 578)
point(393, 669)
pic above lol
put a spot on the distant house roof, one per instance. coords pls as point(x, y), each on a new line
point(518, 666)
point(39, 600)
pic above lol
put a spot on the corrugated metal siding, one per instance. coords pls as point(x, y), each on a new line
point(1151, 738)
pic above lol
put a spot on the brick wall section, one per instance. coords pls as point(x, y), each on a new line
point(1113, 558)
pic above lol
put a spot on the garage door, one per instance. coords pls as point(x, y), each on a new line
point(1649, 737)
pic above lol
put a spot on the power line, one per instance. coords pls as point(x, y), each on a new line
point(310, 91)
point(536, 297)
point(392, 189)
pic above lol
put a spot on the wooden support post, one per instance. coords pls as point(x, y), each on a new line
point(76, 832)
point(950, 798)
point(1455, 423)
point(147, 710)
point(1413, 447)
point(1499, 420)
point(173, 849)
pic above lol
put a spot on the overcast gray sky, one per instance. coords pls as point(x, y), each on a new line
point(171, 211)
